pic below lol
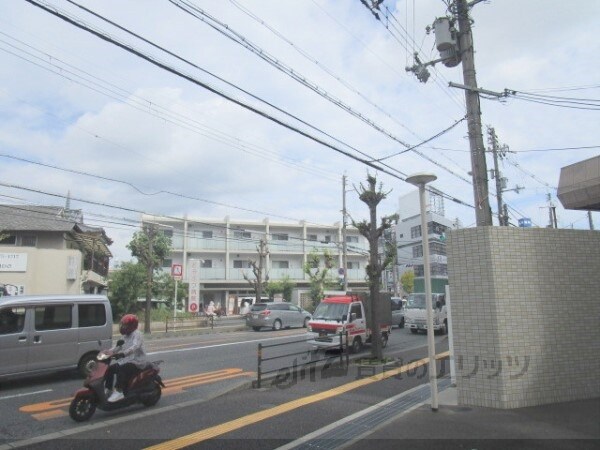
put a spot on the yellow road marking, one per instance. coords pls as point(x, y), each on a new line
point(53, 408)
point(212, 432)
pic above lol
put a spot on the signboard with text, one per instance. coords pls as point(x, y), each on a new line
point(13, 262)
point(193, 277)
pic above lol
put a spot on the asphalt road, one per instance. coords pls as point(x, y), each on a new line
point(196, 369)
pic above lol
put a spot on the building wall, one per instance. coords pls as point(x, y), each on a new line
point(237, 241)
point(525, 310)
point(47, 271)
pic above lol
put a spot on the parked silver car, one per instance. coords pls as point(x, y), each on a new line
point(397, 304)
point(277, 315)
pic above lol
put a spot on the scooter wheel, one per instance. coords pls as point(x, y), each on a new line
point(153, 397)
point(82, 408)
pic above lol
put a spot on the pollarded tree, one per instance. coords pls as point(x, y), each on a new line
point(319, 276)
point(150, 247)
point(372, 196)
point(261, 275)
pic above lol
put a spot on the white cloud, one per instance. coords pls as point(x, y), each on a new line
point(128, 133)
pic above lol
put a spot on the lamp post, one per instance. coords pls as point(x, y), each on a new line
point(420, 180)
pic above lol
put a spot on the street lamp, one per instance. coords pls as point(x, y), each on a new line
point(420, 180)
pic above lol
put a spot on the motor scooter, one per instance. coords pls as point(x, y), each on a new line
point(145, 387)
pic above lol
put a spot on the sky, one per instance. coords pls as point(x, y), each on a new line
point(273, 102)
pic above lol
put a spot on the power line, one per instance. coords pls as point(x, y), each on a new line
point(228, 31)
point(216, 91)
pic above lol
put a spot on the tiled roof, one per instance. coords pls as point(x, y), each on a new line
point(34, 218)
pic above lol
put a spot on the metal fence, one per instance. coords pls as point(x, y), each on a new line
point(310, 355)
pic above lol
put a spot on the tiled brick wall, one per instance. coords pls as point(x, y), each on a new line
point(526, 315)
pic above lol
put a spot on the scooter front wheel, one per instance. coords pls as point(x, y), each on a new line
point(82, 408)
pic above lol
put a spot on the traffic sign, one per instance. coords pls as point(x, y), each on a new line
point(177, 271)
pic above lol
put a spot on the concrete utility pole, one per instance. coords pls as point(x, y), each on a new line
point(498, 152)
point(483, 213)
point(151, 233)
point(344, 245)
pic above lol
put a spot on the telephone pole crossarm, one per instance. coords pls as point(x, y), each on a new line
point(478, 90)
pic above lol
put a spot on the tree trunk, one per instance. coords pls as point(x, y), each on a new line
point(376, 349)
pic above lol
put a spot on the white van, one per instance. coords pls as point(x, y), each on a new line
point(49, 333)
point(247, 301)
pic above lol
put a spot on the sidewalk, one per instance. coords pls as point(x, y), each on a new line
point(389, 413)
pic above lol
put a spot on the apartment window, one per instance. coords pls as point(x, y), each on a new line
point(436, 228)
point(312, 237)
point(279, 237)
point(437, 248)
point(419, 271)
point(353, 265)
point(352, 239)
point(9, 240)
point(207, 235)
point(415, 232)
point(281, 264)
point(168, 233)
point(28, 241)
point(242, 234)
point(167, 262)
point(417, 251)
point(241, 264)
point(206, 263)
point(327, 238)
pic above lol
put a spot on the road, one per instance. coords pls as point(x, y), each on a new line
point(197, 367)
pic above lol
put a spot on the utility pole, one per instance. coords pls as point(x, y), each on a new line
point(453, 51)
point(150, 231)
point(344, 245)
point(551, 212)
point(483, 213)
point(493, 141)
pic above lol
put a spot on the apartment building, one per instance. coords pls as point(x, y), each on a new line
point(409, 238)
point(49, 250)
point(226, 248)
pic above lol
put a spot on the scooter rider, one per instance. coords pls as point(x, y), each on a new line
point(130, 356)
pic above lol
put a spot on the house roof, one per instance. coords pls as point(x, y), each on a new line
point(52, 218)
point(34, 218)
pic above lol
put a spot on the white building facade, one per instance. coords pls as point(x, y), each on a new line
point(409, 238)
point(226, 248)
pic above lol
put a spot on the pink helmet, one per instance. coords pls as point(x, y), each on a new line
point(128, 324)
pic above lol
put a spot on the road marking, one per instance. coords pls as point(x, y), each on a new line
point(25, 394)
point(218, 430)
point(55, 408)
point(158, 352)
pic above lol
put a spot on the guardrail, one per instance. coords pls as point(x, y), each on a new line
point(310, 353)
point(181, 323)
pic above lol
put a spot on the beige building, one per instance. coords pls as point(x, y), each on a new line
point(49, 250)
point(226, 248)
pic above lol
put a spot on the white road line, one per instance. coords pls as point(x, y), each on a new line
point(221, 345)
point(23, 395)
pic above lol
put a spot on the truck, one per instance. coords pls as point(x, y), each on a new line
point(347, 315)
point(415, 315)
